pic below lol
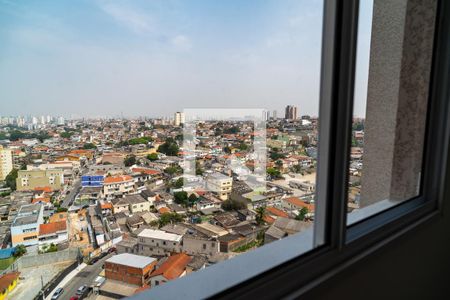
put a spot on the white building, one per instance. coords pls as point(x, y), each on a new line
point(179, 118)
point(158, 242)
point(6, 162)
point(219, 184)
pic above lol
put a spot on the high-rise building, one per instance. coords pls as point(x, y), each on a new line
point(290, 112)
point(6, 162)
point(274, 114)
point(179, 118)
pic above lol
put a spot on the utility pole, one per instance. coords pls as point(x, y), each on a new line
point(42, 288)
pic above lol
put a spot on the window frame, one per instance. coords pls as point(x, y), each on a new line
point(340, 246)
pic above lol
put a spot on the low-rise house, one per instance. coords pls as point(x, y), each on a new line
point(158, 242)
point(55, 232)
point(137, 203)
point(283, 227)
point(25, 227)
point(172, 268)
point(196, 242)
point(120, 205)
point(129, 268)
point(118, 185)
point(294, 203)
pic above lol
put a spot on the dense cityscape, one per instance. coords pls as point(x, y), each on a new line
point(108, 198)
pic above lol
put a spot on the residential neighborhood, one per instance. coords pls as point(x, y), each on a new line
point(115, 190)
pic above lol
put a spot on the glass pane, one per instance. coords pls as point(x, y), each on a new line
point(158, 133)
point(391, 94)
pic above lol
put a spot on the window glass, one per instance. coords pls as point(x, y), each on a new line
point(395, 41)
point(215, 102)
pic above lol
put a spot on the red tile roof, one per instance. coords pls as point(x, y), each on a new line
point(7, 279)
point(54, 227)
point(299, 203)
point(117, 179)
point(41, 200)
point(276, 212)
point(164, 210)
point(268, 219)
point(173, 267)
point(46, 189)
point(145, 171)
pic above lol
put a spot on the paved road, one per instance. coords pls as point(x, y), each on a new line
point(73, 193)
point(85, 277)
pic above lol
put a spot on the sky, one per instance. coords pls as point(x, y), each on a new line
point(91, 58)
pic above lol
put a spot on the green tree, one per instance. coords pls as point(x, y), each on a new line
point(243, 147)
point(260, 213)
point(302, 214)
point(181, 198)
point(192, 199)
point(178, 183)
point(152, 156)
point(231, 130)
point(173, 170)
point(129, 160)
point(274, 173)
point(142, 140)
point(20, 250)
point(10, 179)
point(89, 146)
point(170, 147)
point(66, 135)
point(167, 218)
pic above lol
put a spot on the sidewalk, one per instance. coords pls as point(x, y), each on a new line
point(66, 279)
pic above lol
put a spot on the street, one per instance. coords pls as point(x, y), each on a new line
point(85, 277)
point(73, 192)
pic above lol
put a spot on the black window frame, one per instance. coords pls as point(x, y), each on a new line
point(340, 245)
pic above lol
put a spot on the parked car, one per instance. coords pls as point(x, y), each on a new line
point(57, 293)
point(74, 298)
point(81, 290)
point(93, 261)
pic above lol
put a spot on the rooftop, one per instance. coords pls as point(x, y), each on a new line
point(131, 260)
point(159, 234)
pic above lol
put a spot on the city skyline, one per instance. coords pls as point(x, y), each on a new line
point(150, 59)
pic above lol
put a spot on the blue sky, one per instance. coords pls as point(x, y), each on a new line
point(151, 58)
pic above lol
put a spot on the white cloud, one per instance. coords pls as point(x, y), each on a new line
point(128, 17)
point(182, 42)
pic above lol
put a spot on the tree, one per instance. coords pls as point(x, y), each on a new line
point(279, 163)
point(274, 173)
point(20, 250)
point(152, 156)
point(89, 146)
point(11, 179)
point(181, 198)
point(142, 140)
point(172, 170)
point(192, 199)
point(260, 214)
point(170, 147)
point(66, 135)
point(129, 160)
point(230, 204)
point(302, 214)
point(231, 130)
point(243, 147)
point(61, 209)
point(178, 183)
point(167, 218)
